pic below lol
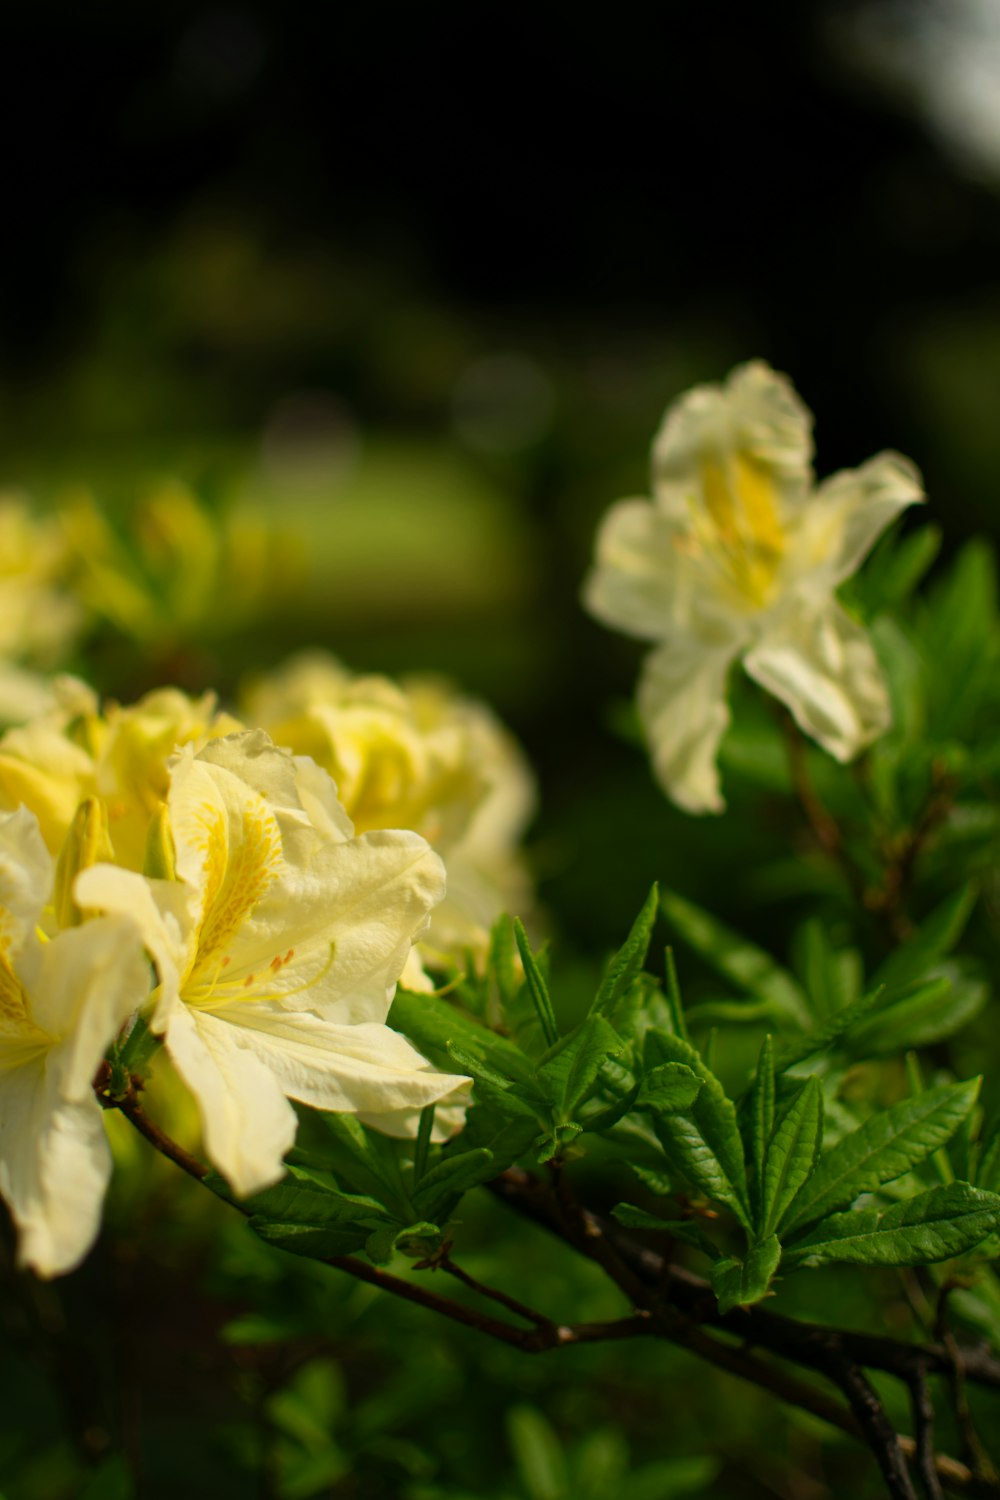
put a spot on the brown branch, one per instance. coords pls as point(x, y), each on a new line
point(538, 1340)
point(494, 1293)
point(878, 1431)
point(130, 1107)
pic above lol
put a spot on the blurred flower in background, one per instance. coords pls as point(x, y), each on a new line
point(415, 755)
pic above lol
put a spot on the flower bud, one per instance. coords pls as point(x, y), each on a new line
point(159, 862)
point(87, 843)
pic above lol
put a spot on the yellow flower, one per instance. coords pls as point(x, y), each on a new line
point(415, 755)
point(278, 948)
point(739, 556)
point(62, 1000)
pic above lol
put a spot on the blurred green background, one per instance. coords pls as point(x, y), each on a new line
point(412, 286)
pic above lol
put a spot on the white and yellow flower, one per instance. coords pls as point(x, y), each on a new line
point(415, 755)
point(278, 944)
point(62, 1000)
point(739, 555)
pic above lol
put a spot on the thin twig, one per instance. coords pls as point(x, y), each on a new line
point(923, 1431)
point(538, 1340)
point(520, 1309)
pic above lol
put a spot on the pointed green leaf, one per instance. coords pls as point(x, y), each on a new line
point(494, 1088)
point(431, 1024)
point(569, 1075)
point(988, 1165)
point(762, 1112)
point(737, 1283)
point(935, 938)
point(674, 1000)
point(737, 960)
point(537, 986)
point(935, 1225)
point(628, 961)
point(840, 1025)
point(444, 1184)
point(791, 1153)
point(920, 1015)
point(880, 1150)
point(702, 1142)
point(687, 1230)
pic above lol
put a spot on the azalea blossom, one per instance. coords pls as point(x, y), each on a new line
point(278, 943)
point(738, 556)
point(62, 1000)
point(417, 755)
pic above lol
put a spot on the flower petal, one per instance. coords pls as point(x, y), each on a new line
point(756, 412)
point(637, 583)
point(848, 513)
point(365, 1068)
point(247, 1123)
point(83, 985)
point(822, 667)
point(161, 911)
point(26, 873)
point(682, 703)
point(54, 1168)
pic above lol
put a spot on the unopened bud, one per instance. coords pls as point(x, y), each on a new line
point(87, 843)
point(160, 862)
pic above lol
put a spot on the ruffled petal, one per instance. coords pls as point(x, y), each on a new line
point(823, 668)
point(246, 1121)
point(847, 515)
point(682, 704)
point(757, 412)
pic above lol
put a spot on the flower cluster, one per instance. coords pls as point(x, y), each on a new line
point(415, 755)
point(739, 555)
point(161, 869)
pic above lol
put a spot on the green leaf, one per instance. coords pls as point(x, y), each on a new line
point(552, 1143)
point(919, 1016)
point(570, 1073)
point(826, 976)
point(687, 1230)
point(823, 1038)
point(668, 1088)
point(444, 1184)
point(537, 986)
point(702, 1142)
point(675, 1003)
point(791, 1153)
point(762, 1113)
point(880, 1150)
point(935, 1225)
point(935, 938)
point(988, 1165)
point(737, 1283)
point(432, 1025)
point(538, 1455)
point(737, 960)
point(628, 961)
point(511, 1095)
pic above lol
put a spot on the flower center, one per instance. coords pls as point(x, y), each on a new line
point(743, 531)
